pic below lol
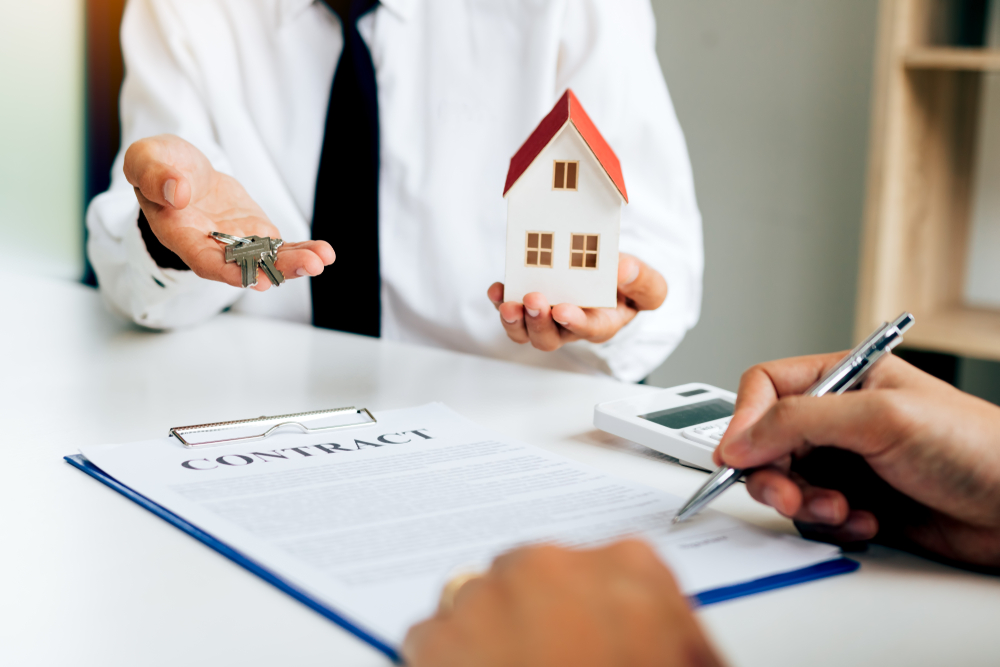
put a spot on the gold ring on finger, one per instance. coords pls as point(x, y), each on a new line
point(450, 590)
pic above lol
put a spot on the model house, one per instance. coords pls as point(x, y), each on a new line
point(564, 196)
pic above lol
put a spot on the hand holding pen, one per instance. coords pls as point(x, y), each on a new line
point(909, 460)
point(846, 374)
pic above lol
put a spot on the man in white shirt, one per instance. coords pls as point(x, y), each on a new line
point(228, 102)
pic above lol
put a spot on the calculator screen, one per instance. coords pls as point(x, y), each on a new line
point(689, 415)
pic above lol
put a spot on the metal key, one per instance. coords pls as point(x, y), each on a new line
point(253, 252)
point(248, 270)
point(270, 270)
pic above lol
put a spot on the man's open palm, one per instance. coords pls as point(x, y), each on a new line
point(185, 199)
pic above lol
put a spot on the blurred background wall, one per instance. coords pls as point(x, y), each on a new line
point(774, 99)
point(773, 96)
point(41, 136)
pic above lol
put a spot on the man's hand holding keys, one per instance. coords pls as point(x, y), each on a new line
point(934, 449)
point(185, 199)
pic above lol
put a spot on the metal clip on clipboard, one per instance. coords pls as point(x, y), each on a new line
point(271, 425)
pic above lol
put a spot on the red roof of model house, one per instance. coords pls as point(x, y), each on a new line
point(567, 110)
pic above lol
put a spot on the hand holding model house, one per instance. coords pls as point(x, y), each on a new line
point(565, 192)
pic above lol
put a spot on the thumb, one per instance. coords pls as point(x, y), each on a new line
point(165, 170)
point(640, 283)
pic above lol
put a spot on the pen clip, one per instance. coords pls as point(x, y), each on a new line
point(852, 368)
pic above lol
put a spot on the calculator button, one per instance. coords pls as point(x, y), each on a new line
point(699, 438)
point(709, 433)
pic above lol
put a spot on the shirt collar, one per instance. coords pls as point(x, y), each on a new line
point(289, 9)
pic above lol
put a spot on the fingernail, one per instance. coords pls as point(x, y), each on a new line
point(169, 189)
point(563, 324)
point(862, 527)
point(823, 509)
point(532, 313)
point(302, 272)
point(509, 321)
point(736, 448)
point(633, 274)
point(771, 497)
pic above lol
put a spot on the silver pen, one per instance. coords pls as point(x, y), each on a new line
point(839, 379)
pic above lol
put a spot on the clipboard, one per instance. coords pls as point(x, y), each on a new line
point(259, 428)
point(829, 568)
point(344, 418)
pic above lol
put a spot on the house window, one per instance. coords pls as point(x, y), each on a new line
point(583, 251)
point(564, 175)
point(538, 249)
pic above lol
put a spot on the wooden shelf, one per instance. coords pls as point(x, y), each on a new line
point(977, 60)
point(969, 332)
point(921, 174)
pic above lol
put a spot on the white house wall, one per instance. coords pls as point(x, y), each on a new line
point(593, 208)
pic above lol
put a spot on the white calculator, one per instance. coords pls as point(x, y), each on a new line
point(684, 422)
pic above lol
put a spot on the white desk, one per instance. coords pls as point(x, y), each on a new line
point(89, 578)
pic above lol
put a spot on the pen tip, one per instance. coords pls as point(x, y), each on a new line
point(676, 519)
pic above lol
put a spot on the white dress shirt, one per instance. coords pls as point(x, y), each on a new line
point(461, 85)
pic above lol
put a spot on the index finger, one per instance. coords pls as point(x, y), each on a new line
point(762, 385)
point(862, 422)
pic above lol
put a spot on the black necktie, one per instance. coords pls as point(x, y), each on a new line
point(346, 295)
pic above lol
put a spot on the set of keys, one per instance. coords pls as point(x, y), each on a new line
point(252, 253)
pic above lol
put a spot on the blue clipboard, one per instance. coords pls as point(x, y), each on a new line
point(820, 571)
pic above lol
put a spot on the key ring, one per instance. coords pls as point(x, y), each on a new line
point(228, 238)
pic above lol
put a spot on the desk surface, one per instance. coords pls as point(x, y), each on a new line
point(88, 578)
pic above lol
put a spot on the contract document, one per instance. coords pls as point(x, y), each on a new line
point(369, 523)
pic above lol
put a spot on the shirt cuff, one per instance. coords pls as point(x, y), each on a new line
point(161, 254)
point(166, 298)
